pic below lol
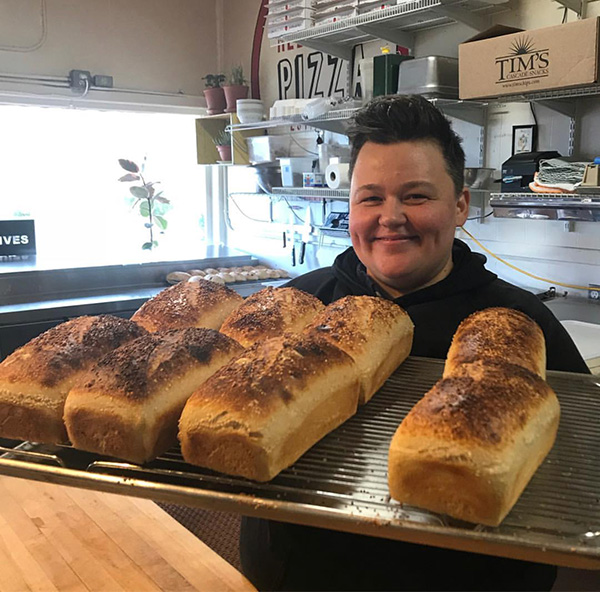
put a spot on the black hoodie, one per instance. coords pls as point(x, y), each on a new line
point(437, 310)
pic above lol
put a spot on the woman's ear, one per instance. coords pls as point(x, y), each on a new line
point(462, 206)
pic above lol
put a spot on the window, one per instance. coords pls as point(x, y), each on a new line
point(60, 167)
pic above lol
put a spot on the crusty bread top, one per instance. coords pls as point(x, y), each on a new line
point(57, 354)
point(188, 304)
point(483, 404)
point(266, 375)
point(271, 312)
point(501, 333)
point(139, 369)
point(351, 320)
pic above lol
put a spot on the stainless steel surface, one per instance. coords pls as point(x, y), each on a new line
point(478, 177)
point(430, 76)
point(546, 206)
point(341, 483)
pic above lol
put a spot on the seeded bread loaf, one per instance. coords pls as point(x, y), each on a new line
point(188, 304)
point(376, 333)
point(129, 404)
point(471, 445)
point(271, 313)
point(35, 379)
point(258, 414)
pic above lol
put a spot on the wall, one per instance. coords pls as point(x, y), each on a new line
point(544, 248)
point(148, 46)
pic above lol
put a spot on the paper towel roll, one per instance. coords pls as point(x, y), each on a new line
point(337, 175)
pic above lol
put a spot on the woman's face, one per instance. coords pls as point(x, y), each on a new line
point(403, 214)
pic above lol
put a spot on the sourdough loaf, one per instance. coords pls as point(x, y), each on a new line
point(376, 333)
point(188, 304)
point(471, 445)
point(35, 379)
point(129, 403)
point(498, 333)
point(263, 410)
point(271, 313)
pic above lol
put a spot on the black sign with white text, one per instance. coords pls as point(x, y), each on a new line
point(17, 237)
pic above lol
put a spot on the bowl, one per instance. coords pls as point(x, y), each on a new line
point(268, 175)
point(478, 177)
point(250, 110)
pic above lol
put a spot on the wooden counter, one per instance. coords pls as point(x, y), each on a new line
point(54, 537)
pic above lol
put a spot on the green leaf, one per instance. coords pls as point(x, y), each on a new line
point(129, 165)
point(155, 243)
point(129, 177)
point(161, 222)
point(139, 192)
point(161, 199)
point(147, 246)
point(145, 209)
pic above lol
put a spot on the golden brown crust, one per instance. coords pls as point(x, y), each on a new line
point(498, 333)
point(484, 403)
point(128, 405)
point(188, 304)
point(261, 411)
point(67, 348)
point(140, 368)
point(271, 313)
point(35, 379)
point(375, 332)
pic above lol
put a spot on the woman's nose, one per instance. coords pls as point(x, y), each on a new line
point(393, 213)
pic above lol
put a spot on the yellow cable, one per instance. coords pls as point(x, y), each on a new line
point(535, 277)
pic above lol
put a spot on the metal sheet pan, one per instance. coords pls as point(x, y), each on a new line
point(341, 483)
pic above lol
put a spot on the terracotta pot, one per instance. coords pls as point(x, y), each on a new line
point(215, 100)
point(225, 152)
point(233, 92)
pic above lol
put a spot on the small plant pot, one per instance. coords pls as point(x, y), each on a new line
point(215, 100)
point(225, 152)
point(233, 92)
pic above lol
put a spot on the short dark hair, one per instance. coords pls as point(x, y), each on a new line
point(400, 118)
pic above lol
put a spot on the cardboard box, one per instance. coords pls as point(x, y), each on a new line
point(504, 61)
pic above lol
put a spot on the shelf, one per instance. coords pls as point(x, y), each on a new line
point(312, 192)
point(546, 206)
point(339, 120)
point(396, 24)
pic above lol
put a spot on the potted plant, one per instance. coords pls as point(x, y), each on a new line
point(214, 94)
point(223, 143)
point(151, 202)
point(236, 89)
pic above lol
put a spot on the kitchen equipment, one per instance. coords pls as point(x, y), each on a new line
point(519, 169)
point(268, 148)
point(292, 169)
point(478, 177)
point(366, 79)
point(430, 76)
point(385, 72)
point(341, 483)
point(306, 231)
point(250, 110)
point(268, 175)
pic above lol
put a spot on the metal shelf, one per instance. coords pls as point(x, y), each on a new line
point(312, 192)
point(546, 206)
point(395, 24)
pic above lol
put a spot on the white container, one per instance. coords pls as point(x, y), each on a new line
point(250, 110)
point(293, 168)
point(289, 16)
point(290, 27)
point(277, 7)
point(268, 148)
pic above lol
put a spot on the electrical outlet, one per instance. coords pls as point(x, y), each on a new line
point(80, 80)
point(594, 291)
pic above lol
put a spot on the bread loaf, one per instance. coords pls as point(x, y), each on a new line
point(262, 411)
point(130, 402)
point(498, 333)
point(271, 313)
point(188, 304)
point(376, 333)
point(471, 445)
point(35, 379)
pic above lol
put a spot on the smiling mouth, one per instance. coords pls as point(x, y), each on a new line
point(395, 239)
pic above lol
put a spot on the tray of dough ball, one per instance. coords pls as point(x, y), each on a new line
point(229, 275)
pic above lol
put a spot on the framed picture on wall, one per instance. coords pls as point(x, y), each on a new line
point(523, 138)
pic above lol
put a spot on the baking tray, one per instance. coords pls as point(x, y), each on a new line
point(341, 483)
